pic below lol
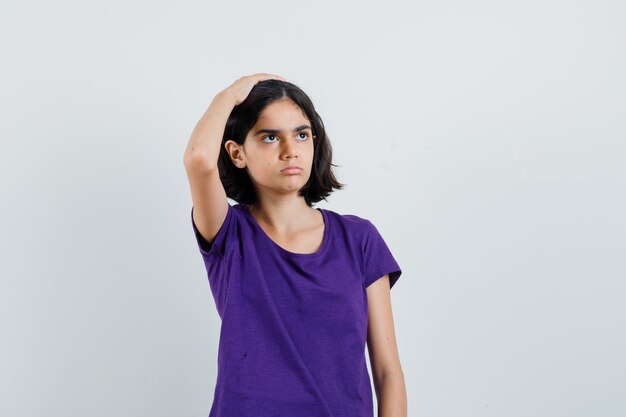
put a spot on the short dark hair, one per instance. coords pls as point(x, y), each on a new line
point(237, 182)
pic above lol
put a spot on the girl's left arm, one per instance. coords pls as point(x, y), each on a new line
point(383, 351)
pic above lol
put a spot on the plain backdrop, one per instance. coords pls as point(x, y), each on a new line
point(484, 139)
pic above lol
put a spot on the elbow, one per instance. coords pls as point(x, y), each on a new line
point(389, 372)
point(197, 160)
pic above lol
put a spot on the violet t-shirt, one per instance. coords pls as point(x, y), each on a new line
point(294, 326)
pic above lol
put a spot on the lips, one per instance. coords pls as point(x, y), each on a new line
point(291, 169)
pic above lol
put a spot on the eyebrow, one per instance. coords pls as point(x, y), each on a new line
point(274, 131)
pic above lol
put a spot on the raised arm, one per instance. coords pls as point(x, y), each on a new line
point(210, 204)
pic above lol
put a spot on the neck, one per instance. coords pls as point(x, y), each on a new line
point(286, 217)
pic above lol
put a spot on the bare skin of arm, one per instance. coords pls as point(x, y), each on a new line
point(383, 352)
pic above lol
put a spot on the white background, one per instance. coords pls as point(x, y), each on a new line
point(485, 140)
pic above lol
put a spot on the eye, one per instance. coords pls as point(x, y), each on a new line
point(267, 136)
point(306, 136)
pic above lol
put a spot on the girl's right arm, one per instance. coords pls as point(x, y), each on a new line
point(210, 204)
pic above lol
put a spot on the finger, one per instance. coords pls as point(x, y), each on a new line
point(274, 76)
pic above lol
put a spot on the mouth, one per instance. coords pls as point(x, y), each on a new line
point(291, 170)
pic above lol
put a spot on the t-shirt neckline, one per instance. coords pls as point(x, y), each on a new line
point(290, 254)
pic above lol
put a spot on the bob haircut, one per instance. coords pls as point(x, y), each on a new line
point(237, 182)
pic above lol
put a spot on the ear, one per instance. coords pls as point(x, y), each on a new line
point(234, 150)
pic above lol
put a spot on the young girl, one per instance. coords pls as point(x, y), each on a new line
point(299, 290)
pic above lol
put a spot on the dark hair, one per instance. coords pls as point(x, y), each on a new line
point(237, 182)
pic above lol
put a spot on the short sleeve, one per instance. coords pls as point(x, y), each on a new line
point(222, 242)
point(378, 259)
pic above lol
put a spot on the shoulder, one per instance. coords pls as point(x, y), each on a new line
point(347, 219)
point(235, 214)
point(228, 236)
point(350, 224)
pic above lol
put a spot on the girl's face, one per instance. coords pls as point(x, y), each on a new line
point(281, 137)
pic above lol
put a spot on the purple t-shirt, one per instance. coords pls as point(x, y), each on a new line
point(294, 326)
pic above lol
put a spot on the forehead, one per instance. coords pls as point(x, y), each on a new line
point(281, 113)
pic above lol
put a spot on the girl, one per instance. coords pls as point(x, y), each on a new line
point(299, 290)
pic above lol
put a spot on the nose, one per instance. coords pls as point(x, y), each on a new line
point(289, 148)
